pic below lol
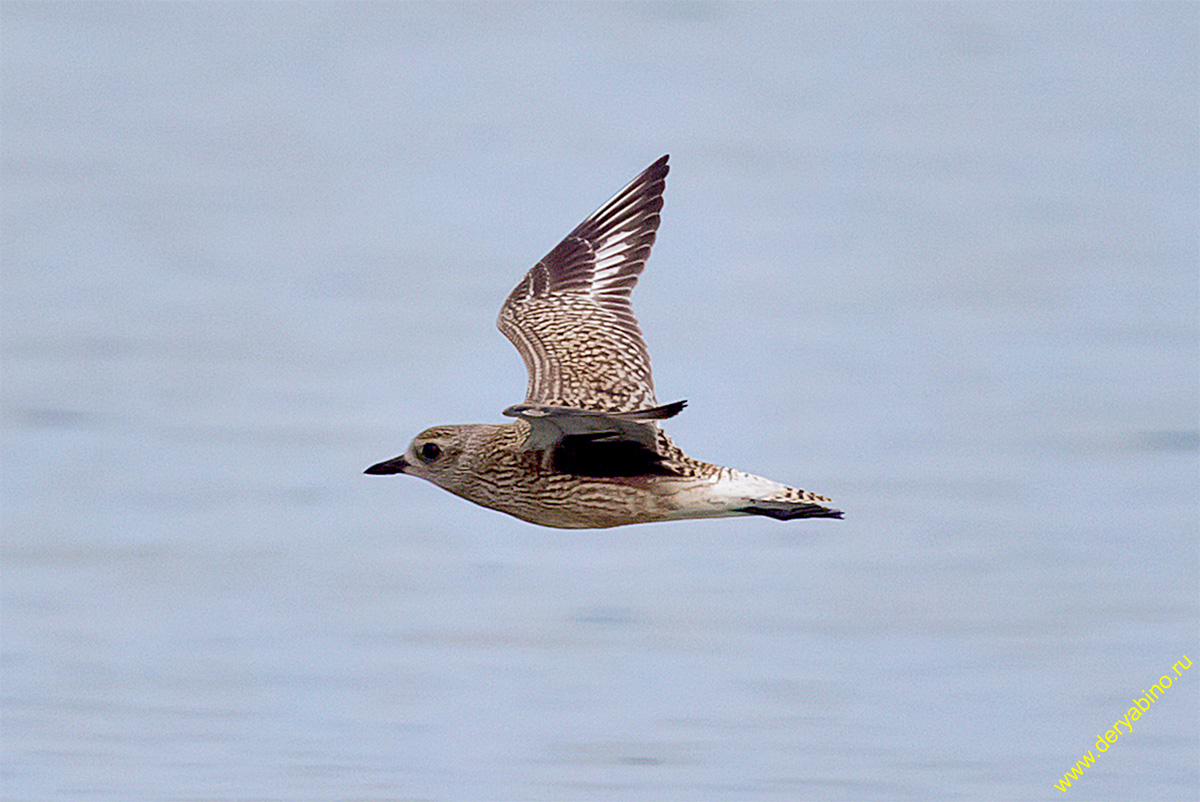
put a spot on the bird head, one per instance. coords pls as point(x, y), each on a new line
point(432, 455)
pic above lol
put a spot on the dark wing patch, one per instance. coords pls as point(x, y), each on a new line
point(607, 457)
point(570, 317)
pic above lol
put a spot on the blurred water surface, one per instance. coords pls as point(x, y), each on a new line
point(938, 262)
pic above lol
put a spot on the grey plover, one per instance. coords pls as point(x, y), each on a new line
point(585, 450)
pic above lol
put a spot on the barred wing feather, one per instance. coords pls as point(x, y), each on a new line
point(570, 317)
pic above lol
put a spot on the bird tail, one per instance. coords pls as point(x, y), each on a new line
point(705, 490)
point(739, 493)
point(778, 501)
point(788, 510)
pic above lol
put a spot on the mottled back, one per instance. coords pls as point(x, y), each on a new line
point(570, 317)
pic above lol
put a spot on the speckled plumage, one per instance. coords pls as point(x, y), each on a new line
point(585, 450)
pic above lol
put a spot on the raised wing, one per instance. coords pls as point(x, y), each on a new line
point(570, 317)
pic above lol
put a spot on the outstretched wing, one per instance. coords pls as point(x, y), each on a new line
point(584, 442)
point(549, 425)
point(570, 317)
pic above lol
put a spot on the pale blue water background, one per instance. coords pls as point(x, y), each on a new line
point(939, 262)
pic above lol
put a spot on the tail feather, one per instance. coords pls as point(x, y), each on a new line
point(788, 510)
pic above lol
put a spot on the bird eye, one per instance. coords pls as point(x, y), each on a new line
point(430, 451)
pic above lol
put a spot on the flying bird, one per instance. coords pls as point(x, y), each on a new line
point(585, 450)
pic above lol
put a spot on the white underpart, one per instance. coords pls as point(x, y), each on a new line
point(720, 496)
